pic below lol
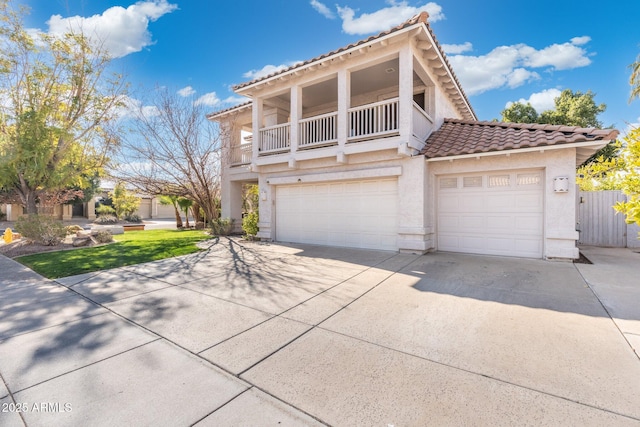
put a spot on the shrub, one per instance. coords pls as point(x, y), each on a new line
point(106, 219)
point(125, 202)
point(250, 224)
point(3, 216)
point(41, 229)
point(134, 218)
point(103, 236)
point(222, 226)
point(105, 210)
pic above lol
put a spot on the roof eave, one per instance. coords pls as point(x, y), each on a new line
point(245, 90)
point(584, 144)
point(215, 116)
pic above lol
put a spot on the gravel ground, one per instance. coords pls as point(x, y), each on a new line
point(23, 247)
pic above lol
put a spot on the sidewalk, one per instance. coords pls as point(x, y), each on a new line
point(68, 361)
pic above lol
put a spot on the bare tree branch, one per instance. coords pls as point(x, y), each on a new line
point(173, 151)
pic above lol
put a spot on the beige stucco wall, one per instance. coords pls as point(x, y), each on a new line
point(560, 233)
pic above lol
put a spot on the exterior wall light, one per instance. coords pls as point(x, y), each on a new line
point(561, 184)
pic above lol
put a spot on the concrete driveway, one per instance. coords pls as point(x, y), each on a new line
point(265, 334)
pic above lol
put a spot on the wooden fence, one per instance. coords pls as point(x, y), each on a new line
point(600, 225)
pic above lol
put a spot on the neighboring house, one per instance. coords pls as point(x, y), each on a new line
point(375, 145)
point(150, 206)
point(62, 212)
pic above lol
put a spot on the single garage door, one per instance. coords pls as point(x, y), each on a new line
point(499, 213)
point(358, 214)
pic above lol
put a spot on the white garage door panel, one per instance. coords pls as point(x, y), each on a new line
point(353, 213)
point(496, 214)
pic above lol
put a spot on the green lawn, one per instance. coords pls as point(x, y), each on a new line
point(132, 247)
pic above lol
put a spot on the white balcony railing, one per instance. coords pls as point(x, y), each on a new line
point(241, 154)
point(422, 123)
point(275, 138)
point(369, 121)
point(373, 120)
point(318, 130)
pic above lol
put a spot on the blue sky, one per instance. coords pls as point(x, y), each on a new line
point(502, 51)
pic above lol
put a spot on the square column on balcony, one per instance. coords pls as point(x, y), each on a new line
point(405, 92)
point(257, 123)
point(296, 115)
point(344, 103)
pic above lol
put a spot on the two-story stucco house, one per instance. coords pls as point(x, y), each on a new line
point(375, 145)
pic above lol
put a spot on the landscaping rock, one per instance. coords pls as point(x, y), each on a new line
point(80, 241)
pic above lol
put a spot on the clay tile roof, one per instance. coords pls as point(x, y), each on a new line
point(458, 137)
point(235, 108)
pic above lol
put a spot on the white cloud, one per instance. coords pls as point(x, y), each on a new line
point(322, 9)
point(267, 70)
point(559, 56)
point(235, 100)
point(121, 31)
point(520, 76)
point(512, 66)
point(134, 108)
point(385, 18)
point(454, 49)
point(186, 91)
point(579, 41)
point(541, 101)
point(209, 99)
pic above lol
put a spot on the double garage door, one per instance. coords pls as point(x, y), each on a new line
point(499, 213)
point(358, 214)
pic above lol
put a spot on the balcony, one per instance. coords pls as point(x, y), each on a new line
point(365, 123)
point(241, 154)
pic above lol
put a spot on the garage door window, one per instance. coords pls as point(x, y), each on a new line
point(448, 183)
point(472, 182)
point(499, 181)
point(528, 178)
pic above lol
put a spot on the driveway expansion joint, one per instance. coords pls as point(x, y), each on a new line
point(613, 320)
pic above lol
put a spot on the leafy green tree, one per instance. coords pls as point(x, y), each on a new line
point(630, 179)
point(634, 80)
point(571, 109)
point(520, 113)
point(601, 174)
point(124, 202)
point(574, 109)
point(58, 102)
